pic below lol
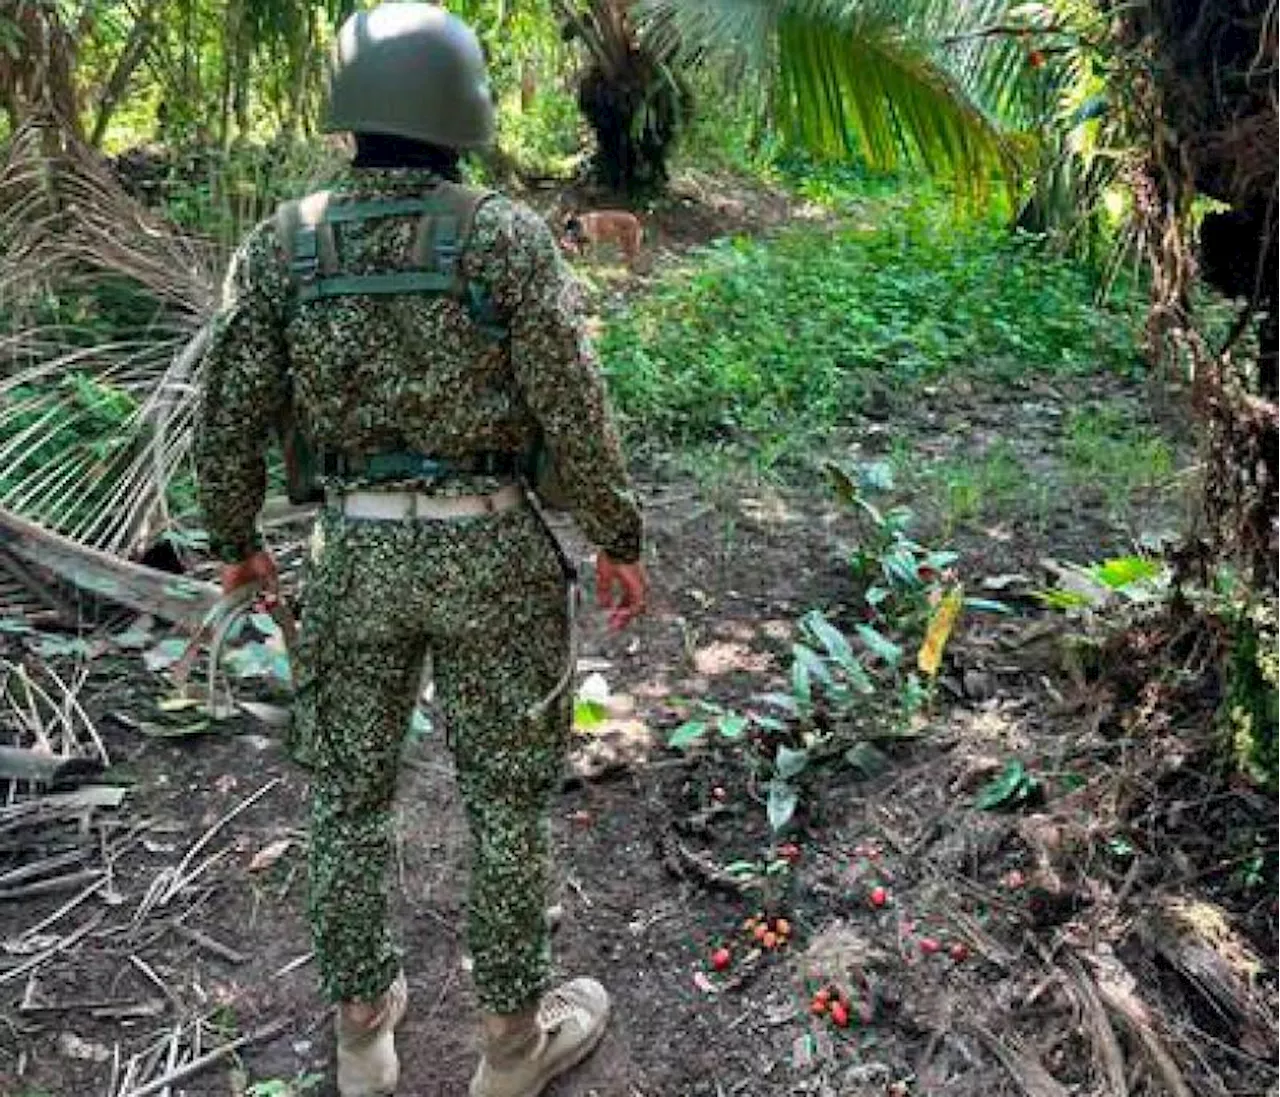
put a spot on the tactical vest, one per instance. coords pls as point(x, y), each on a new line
point(305, 228)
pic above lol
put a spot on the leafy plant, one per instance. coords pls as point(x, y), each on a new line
point(767, 351)
point(1130, 580)
point(853, 78)
point(1013, 788)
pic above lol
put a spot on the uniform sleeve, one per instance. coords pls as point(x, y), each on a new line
point(560, 380)
point(243, 396)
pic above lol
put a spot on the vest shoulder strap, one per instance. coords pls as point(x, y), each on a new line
point(446, 217)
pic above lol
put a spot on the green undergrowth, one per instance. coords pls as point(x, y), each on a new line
point(768, 347)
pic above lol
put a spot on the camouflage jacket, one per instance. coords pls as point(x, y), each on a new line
point(376, 374)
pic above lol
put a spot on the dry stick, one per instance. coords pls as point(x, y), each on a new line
point(49, 953)
point(72, 702)
point(57, 883)
point(40, 868)
point(209, 943)
point(294, 964)
point(207, 837)
point(178, 884)
point(191, 1069)
point(175, 1042)
point(32, 685)
point(80, 1004)
point(155, 980)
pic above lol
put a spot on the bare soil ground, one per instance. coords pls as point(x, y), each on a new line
point(1064, 965)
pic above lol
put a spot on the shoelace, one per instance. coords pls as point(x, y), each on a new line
point(557, 1008)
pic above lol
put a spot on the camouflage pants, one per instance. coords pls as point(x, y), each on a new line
point(485, 597)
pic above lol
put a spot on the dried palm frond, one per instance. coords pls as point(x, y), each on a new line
point(94, 432)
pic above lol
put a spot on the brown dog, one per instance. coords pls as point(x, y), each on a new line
point(607, 226)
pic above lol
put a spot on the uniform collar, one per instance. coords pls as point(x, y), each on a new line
point(390, 179)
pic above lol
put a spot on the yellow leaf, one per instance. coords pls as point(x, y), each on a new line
point(940, 625)
point(178, 704)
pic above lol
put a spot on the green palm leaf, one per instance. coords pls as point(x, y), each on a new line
point(889, 80)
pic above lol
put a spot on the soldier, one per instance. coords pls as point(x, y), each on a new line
point(425, 343)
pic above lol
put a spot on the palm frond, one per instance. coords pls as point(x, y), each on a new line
point(94, 430)
point(866, 77)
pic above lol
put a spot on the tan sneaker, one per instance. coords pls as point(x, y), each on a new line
point(524, 1052)
point(367, 1062)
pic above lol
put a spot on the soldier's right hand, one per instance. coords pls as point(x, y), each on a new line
point(258, 570)
point(622, 589)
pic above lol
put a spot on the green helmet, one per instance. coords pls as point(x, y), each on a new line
point(410, 70)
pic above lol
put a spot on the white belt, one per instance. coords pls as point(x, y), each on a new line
point(396, 506)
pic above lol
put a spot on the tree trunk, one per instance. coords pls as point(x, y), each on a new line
point(127, 63)
point(37, 79)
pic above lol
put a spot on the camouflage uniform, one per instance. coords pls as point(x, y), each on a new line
point(484, 596)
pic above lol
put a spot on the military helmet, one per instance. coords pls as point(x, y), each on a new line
point(410, 70)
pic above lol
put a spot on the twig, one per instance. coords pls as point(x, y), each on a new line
point(49, 953)
point(208, 943)
point(149, 973)
point(196, 1066)
point(293, 965)
point(207, 837)
point(58, 883)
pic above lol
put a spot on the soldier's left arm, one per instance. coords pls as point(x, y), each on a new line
point(244, 394)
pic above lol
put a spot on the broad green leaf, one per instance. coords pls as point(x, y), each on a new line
point(813, 663)
point(1123, 570)
point(52, 647)
point(732, 726)
point(164, 654)
point(986, 605)
point(876, 595)
point(789, 762)
point(14, 625)
point(867, 759)
point(828, 636)
point(784, 701)
point(264, 623)
point(1013, 784)
point(687, 734)
point(801, 685)
point(741, 868)
point(899, 566)
point(1061, 599)
point(188, 592)
point(876, 475)
point(420, 725)
point(132, 639)
point(782, 803)
point(880, 645)
point(898, 519)
point(587, 713)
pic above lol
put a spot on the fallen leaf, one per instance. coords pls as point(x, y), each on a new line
point(73, 1047)
point(269, 854)
point(177, 704)
point(940, 626)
